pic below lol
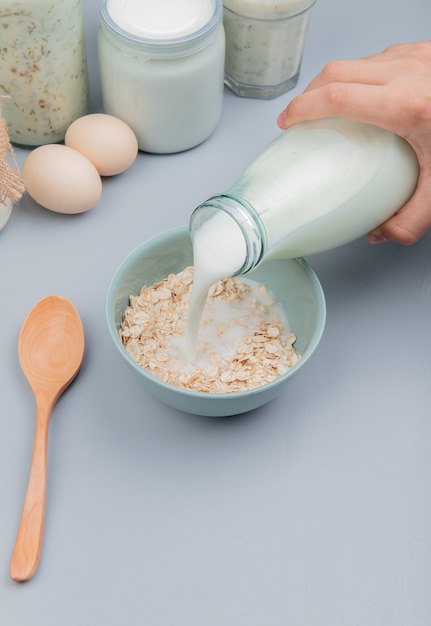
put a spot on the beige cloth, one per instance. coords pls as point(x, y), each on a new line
point(11, 184)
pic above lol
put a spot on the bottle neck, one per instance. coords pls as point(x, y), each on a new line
point(244, 216)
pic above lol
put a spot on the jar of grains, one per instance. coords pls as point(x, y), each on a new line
point(162, 69)
point(264, 45)
point(43, 68)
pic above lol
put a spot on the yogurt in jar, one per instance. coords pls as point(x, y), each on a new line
point(162, 69)
point(43, 68)
point(264, 45)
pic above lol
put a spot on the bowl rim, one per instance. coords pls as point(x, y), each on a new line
point(175, 233)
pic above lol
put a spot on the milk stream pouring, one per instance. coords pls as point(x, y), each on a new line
point(317, 186)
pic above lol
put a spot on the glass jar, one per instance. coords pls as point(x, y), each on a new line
point(5, 211)
point(162, 69)
point(264, 45)
point(317, 186)
point(43, 68)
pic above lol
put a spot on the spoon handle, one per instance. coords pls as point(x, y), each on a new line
point(28, 544)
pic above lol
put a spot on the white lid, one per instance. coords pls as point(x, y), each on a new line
point(161, 19)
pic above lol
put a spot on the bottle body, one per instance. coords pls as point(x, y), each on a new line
point(318, 186)
point(164, 80)
point(43, 68)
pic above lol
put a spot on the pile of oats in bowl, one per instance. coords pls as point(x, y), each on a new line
point(243, 343)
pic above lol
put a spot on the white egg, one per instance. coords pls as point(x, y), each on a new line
point(108, 142)
point(61, 179)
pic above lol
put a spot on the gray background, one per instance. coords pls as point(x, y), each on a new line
point(313, 510)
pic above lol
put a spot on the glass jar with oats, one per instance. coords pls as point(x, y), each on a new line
point(43, 68)
point(265, 41)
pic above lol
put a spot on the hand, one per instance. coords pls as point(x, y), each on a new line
point(391, 90)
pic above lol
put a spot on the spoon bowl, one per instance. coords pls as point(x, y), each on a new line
point(50, 350)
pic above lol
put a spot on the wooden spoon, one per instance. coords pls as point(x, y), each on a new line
point(50, 349)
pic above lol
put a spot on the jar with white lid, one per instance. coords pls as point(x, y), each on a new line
point(43, 68)
point(162, 69)
point(265, 42)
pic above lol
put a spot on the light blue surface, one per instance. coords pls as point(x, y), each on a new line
point(312, 510)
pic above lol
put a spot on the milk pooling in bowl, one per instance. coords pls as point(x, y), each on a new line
point(317, 186)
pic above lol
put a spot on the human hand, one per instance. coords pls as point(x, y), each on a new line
point(391, 90)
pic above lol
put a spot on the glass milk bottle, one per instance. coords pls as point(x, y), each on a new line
point(162, 69)
point(43, 68)
point(315, 187)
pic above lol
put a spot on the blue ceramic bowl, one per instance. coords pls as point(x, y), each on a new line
point(292, 281)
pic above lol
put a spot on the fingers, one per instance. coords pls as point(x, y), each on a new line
point(363, 103)
point(396, 51)
point(365, 71)
point(333, 89)
point(411, 222)
point(390, 90)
